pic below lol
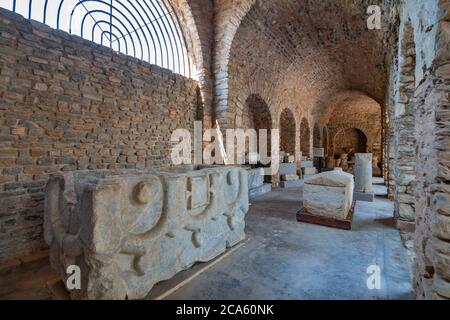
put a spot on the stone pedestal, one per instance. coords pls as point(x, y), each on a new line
point(363, 177)
point(288, 176)
point(329, 194)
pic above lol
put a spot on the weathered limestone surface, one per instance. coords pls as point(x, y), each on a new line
point(128, 231)
point(363, 172)
point(329, 194)
point(255, 178)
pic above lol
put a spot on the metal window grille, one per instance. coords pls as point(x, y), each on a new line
point(145, 29)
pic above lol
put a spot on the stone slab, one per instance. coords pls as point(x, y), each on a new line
point(288, 169)
point(364, 196)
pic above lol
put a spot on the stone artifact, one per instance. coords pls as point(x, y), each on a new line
point(256, 185)
point(363, 177)
point(328, 199)
point(289, 177)
point(129, 230)
point(255, 178)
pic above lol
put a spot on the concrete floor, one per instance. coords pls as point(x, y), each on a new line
point(285, 259)
point(281, 259)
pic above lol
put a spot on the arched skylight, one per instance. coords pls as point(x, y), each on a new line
point(145, 29)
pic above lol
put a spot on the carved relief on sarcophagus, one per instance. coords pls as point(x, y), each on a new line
point(127, 231)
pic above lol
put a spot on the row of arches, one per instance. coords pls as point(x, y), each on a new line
point(257, 115)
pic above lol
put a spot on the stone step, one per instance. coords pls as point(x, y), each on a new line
point(255, 192)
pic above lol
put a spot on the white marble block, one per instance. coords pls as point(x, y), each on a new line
point(329, 194)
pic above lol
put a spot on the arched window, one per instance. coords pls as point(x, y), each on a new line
point(145, 29)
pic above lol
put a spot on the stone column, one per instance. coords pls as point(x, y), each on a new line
point(363, 175)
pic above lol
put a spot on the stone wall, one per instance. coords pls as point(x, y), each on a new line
point(404, 142)
point(421, 109)
point(68, 104)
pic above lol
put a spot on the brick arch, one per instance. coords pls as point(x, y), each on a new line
point(196, 23)
point(228, 17)
point(257, 115)
point(260, 112)
point(354, 109)
point(305, 138)
point(287, 126)
point(334, 133)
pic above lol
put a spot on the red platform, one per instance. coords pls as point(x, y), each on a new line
point(306, 217)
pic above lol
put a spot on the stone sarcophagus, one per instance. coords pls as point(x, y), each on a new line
point(127, 231)
point(328, 199)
